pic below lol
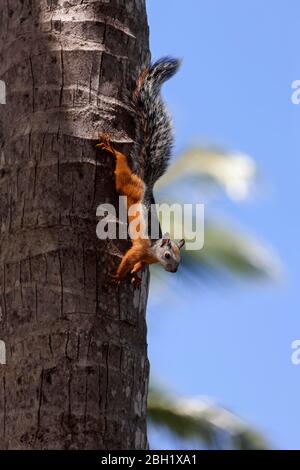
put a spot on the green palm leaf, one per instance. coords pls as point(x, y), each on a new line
point(202, 421)
point(229, 251)
point(225, 247)
point(234, 172)
point(237, 252)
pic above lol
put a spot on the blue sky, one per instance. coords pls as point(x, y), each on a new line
point(234, 90)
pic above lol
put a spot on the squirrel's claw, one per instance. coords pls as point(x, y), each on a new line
point(114, 279)
point(105, 143)
point(136, 281)
point(100, 146)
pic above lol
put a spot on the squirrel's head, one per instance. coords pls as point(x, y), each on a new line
point(167, 252)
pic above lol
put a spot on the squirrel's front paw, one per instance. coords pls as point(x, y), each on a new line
point(136, 281)
point(114, 279)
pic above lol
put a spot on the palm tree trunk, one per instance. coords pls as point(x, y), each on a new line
point(76, 370)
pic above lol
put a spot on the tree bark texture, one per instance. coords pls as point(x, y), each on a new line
point(76, 371)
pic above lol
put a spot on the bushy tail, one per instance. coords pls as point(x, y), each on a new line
point(155, 135)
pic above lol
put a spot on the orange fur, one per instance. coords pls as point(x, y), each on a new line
point(130, 185)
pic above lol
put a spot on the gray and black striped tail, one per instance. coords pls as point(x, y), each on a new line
point(155, 133)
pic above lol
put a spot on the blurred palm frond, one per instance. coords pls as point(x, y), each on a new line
point(233, 172)
point(202, 421)
point(237, 252)
point(225, 247)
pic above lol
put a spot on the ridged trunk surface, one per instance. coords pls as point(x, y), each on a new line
point(76, 371)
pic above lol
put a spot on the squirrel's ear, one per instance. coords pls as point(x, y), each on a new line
point(165, 239)
point(180, 243)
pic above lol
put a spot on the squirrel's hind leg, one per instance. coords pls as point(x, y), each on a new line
point(127, 183)
point(105, 144)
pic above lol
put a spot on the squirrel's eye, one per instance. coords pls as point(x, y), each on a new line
point(167, 256)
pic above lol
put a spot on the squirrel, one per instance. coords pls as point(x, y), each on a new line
point(154, 141)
